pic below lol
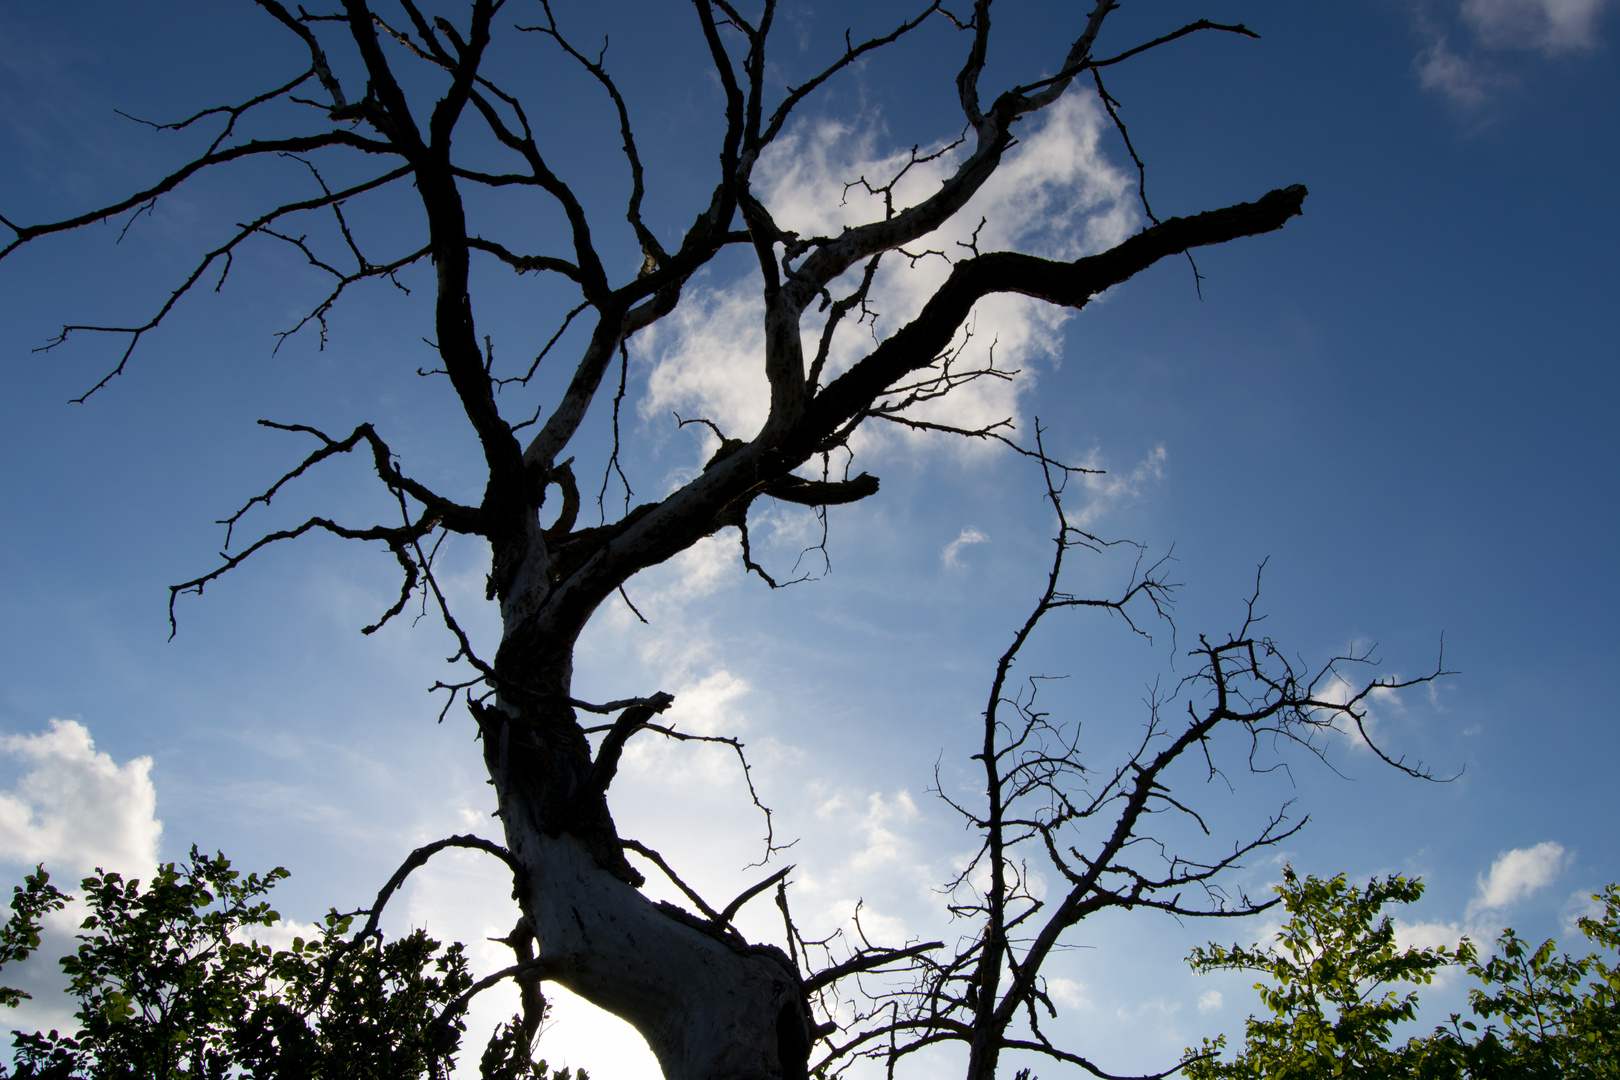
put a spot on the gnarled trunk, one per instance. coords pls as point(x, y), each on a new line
point(710, 1005)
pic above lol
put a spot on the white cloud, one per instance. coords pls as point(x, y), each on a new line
point(1380, 702)
point(1582, 904)
point(1106, 490)
point(874, 871)
point(883, 845)
point(707, 707)
point(1469, 75)
point(74, 810)
point(1055, 194)
point(1444, 71)
point(1513, 875)
point(1209, 1001)
point(1518, 873)
point(1549, 26)
point(77, 809)
point(709, 365)
point(1428, 935)
point(1071, 993)
point(701, 570)
point(951, 555)
point(1446, 935)
point(278, 935)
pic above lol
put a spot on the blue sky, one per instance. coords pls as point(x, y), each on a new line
point(1404, 402)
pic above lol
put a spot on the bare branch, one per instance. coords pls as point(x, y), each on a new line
point(607, 755)
point(1190, 28)
point(852, 53)
point(299, 145)
point(1070, 284)
point(868, 961)
point(541, 967)
point(223, 252)
point(729, 912)
point(318, 62)
point(523, 264)
point(658, 860)
point(653, 251)
point(415, 861)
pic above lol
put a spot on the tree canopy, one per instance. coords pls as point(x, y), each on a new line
point(1331, 992)
point(172, 985)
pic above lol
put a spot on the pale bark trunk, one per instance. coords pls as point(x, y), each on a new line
point(710, 1005)
point(709, 1009)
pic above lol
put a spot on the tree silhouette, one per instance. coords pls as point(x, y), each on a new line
point(434, 110)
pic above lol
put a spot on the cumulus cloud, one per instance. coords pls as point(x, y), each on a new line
point(951, 554)
point(77, 809)
point(1439, 934)
point(709, 351)
point(74, 809)
point(709, 705)
point(1429, 935)
point(1056, 194)
point(1518, 873)
point(1209, 1001)
point(1513, 876)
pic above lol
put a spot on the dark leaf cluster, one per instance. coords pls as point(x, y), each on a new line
point(171, 985)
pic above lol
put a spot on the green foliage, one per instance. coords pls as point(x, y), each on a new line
point(1560, 1014)
point(508, 1056)
point(20, 936)
point(1331, 972)
point(1333, 1009)
point(171, 986)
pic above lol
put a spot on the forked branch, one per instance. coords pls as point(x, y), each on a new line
point(1041, 802)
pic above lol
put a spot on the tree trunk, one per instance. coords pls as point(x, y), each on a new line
point(710, 1005)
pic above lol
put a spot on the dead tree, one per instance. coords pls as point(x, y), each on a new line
point(1094, 830)
point(392, 100)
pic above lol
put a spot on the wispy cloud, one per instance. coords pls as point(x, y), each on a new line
point(1467, 41)
point(951, 555)
point(881, 831)
point(1461, 80)
point(1107, 490)
point(1550, 27)
point(1380, 704)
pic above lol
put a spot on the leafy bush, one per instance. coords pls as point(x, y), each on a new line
point(1333, 1007)
point(171, 986)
